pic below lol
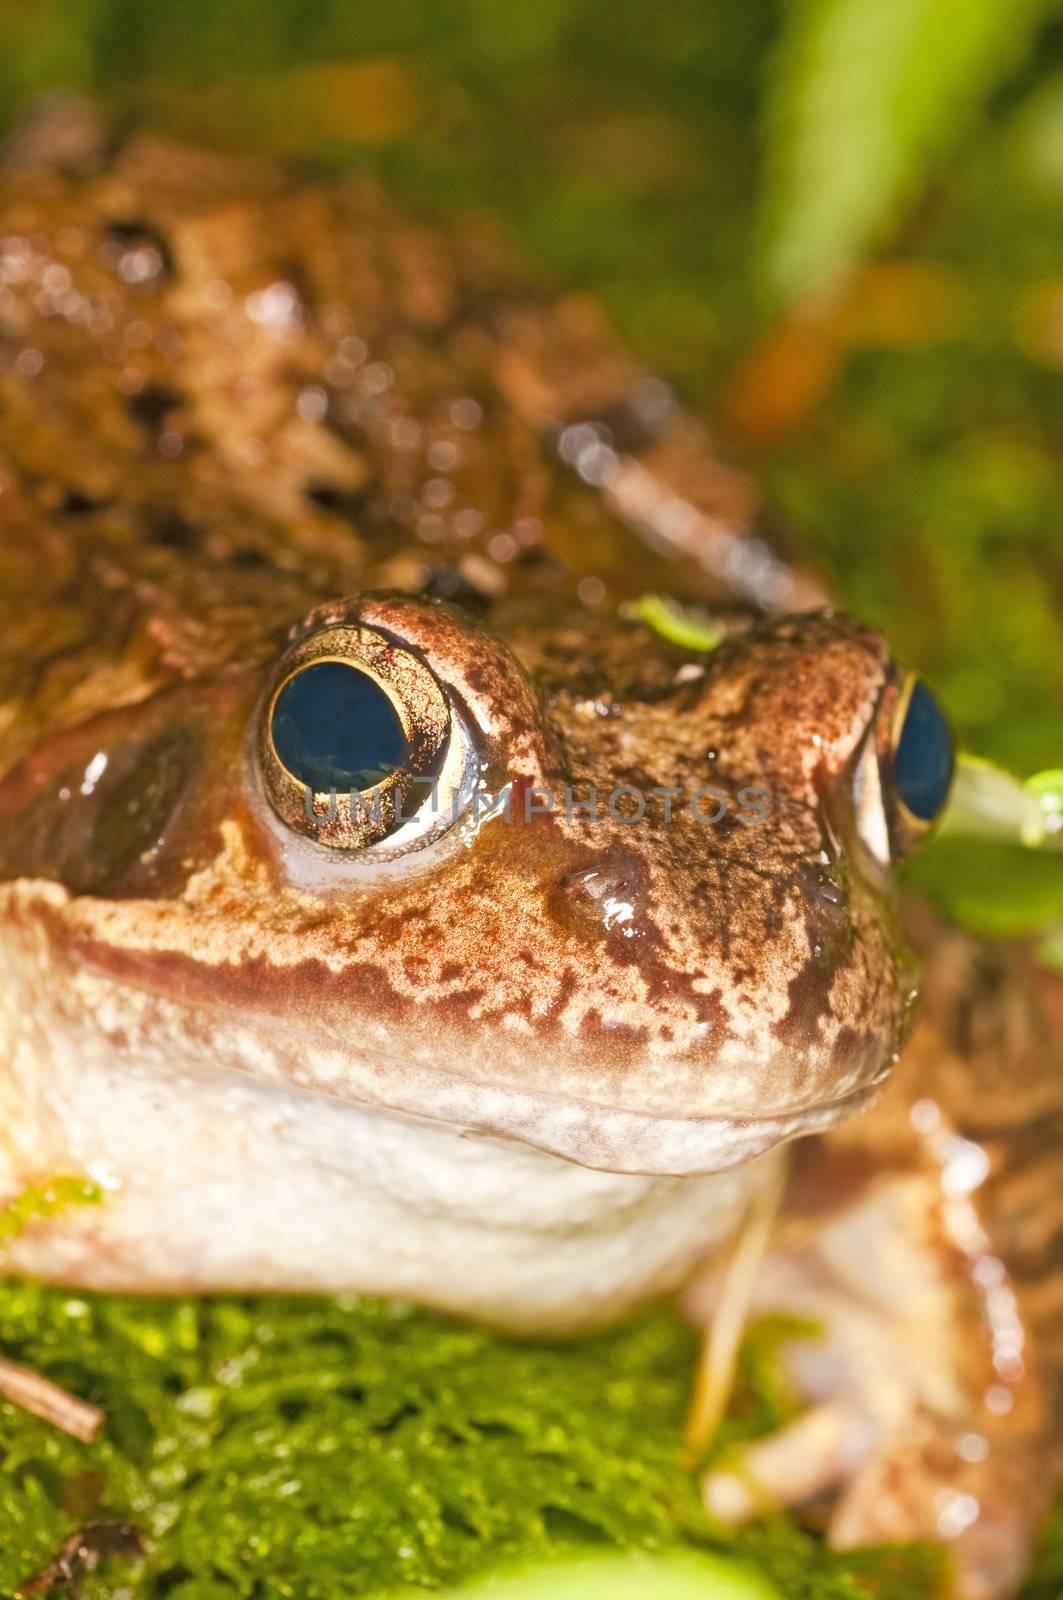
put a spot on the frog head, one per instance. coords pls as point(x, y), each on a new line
point(556, 882)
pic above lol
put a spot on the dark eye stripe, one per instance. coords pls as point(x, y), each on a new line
point(334, 727)
point(924, 759)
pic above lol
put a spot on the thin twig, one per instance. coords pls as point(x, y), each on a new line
point(719, 1350)
point(45, 1399)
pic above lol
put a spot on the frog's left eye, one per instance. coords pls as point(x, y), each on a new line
point(357, 740)
point(924, 756)
point(904, 776)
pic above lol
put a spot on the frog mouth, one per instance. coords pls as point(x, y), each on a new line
point(590, 1133)
point(612, 1139)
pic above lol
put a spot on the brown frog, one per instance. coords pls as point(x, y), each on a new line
point(384, 906)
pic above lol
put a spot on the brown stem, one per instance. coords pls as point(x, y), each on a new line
point(34, 1393)
point(719, 1351)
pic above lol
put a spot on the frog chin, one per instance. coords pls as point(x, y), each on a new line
point(588, 1132)
point(236, 1155)
point(223, 1179)
point(161, 1007)
point(662, 1141)
point(221, 1172)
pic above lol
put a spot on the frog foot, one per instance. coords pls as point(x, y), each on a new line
point(909, 1434)
point(915, 1486)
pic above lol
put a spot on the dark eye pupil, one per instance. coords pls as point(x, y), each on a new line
point(335, 728)
point(923, 762)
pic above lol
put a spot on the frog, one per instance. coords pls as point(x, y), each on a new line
point(387, 906)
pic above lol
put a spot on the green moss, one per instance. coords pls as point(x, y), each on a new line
point(327, 1448)
point(44, 1200)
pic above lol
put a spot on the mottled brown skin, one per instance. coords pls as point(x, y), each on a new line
point(232, 401)
point(148, 587)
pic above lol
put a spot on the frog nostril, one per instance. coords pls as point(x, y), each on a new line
point(595, 884)
point(822, 886)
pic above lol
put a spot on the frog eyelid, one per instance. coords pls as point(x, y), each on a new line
point(872, 823)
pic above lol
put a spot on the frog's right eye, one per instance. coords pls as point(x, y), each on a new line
point(357, 743)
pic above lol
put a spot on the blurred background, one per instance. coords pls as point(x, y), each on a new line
point(834, 225)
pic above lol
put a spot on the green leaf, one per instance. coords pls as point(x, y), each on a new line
point(1050, 948)
point(863, 97)
point(686, 1577)
point(1000, 891)
point(675, 623)
point(989, 803)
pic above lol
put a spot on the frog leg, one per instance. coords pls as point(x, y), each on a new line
point(796, 1465)
point(923, 1239)
point(900, 1432)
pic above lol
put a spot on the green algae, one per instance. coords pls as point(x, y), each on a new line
point(320, 1448)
